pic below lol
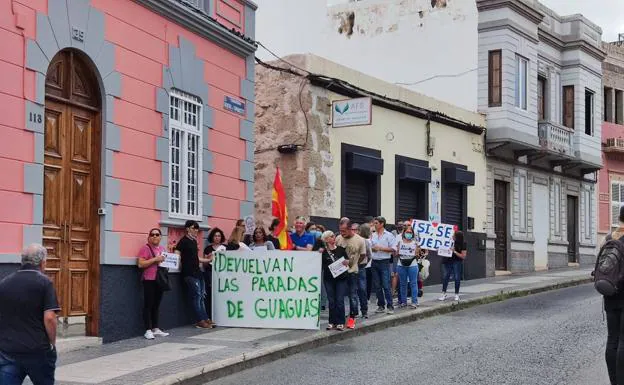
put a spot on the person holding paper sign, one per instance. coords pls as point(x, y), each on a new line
point(454, 264)
point(408, 251)
point(150, 255)
point(336, 287)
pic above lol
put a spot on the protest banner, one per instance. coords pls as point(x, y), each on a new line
point(266, 289)
point(172, 261)
point(435, 236)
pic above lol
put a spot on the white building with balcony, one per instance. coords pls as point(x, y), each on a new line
point(540, 86)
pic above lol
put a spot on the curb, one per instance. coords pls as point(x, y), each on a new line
point(216, 370)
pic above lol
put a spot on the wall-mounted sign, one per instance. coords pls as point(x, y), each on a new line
point(352, 112)
point(234, 105)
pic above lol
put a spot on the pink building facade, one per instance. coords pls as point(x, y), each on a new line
point(611, 177)
point(117, 117)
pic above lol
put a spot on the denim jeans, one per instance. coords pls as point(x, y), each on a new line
point(614, 353)
point(362, 295)
point(38, 366)
point(353, 282)
point(381, 280)
point(196, 293)
point(454, 267)
point(336, 290)
point(408, 273)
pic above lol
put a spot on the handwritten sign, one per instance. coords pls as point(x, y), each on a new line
point(266, 289)
point(435, 236)
point(172, 261)
point(338, 267)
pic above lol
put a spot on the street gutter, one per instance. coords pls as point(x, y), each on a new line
point(219, 369)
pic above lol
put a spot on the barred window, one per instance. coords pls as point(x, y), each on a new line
point(185, 141)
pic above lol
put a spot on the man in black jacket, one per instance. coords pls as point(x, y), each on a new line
point(614, 307)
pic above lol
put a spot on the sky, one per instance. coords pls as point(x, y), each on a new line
point(608, 14)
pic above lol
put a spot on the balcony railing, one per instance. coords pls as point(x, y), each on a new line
point(555, 138)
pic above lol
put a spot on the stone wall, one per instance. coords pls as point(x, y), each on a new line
point(557, 260)
point(290, 111)
point(521, 261)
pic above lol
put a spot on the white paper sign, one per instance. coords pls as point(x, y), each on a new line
point(435, 236)
point(172, 261)
point(352, 112)
point(250, 225)
point(338, 267)
point(266, 289)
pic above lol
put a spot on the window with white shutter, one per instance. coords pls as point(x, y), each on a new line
point(185, 149)
point(617, 200)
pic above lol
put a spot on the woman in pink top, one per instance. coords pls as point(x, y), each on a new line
point(150, 256)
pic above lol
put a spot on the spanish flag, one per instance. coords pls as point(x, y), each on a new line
point(280, 211)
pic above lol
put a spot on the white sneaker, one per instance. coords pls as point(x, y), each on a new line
point(149, 335)
point(443, 297)
point(456, 297)
point(159, 333)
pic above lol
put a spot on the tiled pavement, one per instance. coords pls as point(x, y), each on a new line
point(139, 361)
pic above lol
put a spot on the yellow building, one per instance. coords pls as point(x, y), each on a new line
point(351, 145)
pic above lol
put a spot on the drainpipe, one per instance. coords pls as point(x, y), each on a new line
point(429, 147)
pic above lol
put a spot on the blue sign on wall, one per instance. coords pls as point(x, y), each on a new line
point(234, 105)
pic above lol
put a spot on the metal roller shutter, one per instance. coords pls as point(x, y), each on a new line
point(452, 202)
point(411, 200)
point(358, 196)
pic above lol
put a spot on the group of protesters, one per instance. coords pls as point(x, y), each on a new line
point(375, 259)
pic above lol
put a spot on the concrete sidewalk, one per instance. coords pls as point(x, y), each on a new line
point(193, 356)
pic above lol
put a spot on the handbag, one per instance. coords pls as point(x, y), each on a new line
point(162, 275)
point(406, 262)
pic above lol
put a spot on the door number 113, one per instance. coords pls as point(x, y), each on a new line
point(35, 117)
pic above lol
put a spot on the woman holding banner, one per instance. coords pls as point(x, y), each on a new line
point(336, 287)
point(235, 242)
point(150, 255)
point(216, 238)
point(454, 264)
point(261, 240)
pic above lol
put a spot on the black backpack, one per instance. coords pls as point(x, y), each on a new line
point(609, 269)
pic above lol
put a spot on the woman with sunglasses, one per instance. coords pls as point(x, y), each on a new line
point(261, 240)
point(149, 257)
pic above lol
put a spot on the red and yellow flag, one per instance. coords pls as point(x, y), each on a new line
point(280, 211)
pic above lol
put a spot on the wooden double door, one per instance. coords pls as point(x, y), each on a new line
point(72, 145)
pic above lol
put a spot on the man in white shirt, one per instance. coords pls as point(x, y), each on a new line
point(383, 245)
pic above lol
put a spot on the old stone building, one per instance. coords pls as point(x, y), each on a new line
point(540, 86)
point(411, 156)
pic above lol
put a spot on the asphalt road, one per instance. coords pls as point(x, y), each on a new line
point(556, 337)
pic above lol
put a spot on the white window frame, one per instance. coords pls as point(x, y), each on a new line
point(615, 222)
point(592, 112)
point(179, 183)
point(522, 76)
